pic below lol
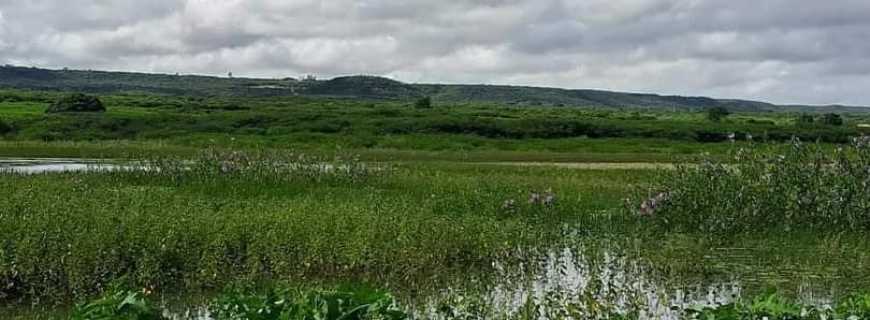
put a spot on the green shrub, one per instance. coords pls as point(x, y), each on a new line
point(423, 103)
point(805, 119)
point(716, 114)
point(832, 119)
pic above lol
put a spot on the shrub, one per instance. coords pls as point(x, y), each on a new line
point(805, 119)
point(77, 103)
point(832, 119)
point(423, 103)
point(716, 114)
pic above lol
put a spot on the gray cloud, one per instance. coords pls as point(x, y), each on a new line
point(787, 51)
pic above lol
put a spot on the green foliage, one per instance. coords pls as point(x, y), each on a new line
point(423, 103)
point(805, 119)
point(77, 103)
point(274, 303)
point(285, 304)
point(340, 123)
point(225, 217)
point(118, 305)
point(808, 187)
point(716, 114)
point(832, 119)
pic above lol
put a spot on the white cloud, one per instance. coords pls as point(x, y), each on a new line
point(801, 51)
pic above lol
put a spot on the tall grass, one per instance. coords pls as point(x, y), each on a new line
point(177, 225)
point(804, 187)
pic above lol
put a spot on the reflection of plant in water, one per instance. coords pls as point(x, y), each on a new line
point(567, 284)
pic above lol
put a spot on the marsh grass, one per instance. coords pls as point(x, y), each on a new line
point(187, 225)
point(806, 186)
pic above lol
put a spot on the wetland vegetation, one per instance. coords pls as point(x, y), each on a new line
point(282, 207)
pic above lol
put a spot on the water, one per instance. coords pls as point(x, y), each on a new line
point(48, 165)
point(569, 284)
point(576, 281)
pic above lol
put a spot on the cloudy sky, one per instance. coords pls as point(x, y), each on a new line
point(785, 51)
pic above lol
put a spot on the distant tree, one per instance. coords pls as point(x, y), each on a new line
point(805, 118)
point(77, 103)
point(423, 103)
point(832, 119)
point(716, 114)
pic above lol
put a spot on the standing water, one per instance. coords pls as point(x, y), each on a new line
point(46, 165)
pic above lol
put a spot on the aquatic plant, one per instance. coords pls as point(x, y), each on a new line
point(118, 305)
point(180, 225)
point(806, 186)
point(285, 304)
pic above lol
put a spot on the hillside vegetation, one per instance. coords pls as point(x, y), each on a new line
point(367, 87)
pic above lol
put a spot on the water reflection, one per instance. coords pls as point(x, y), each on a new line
point(568, 284)
point(48, 165)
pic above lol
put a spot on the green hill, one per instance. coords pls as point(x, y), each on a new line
point(369, 87)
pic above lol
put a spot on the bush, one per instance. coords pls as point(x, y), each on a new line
point(716, 114)
point(805, 119)
point(77, 103)
point(832, 119)
point(423, 103)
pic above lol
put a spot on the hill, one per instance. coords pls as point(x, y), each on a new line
point(370, 87)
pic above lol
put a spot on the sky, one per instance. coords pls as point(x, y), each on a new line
point(782, 51)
